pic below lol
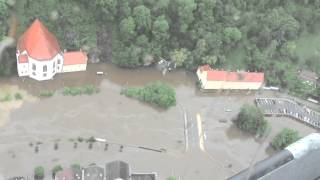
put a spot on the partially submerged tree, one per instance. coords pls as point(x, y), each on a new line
point(157, 93)
point(250, 119)
point(284, 138)
point(39, 172)
point(56, 169)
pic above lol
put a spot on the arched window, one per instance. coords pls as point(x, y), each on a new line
point(45, 68)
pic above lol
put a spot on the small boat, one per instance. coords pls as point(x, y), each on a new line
point(99, 73)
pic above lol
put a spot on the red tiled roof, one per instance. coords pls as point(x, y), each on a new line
point(39, 42)
point(72, 58)
point(23, 58)
point(214, 75)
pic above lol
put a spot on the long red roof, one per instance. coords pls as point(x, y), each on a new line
point(76, 57)
point(39, 43)
point(216, 75)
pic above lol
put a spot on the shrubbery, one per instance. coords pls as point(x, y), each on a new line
point(73, 91)
point(285, 138)
point(7, 97)
point(39, 172)
point(46, 93)
point(56, 169)
point(172, 178)
point(157, 93)
point(17, 96)
point(250, 119)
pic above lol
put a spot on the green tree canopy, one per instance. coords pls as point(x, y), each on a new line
point(142, 17)
point(179, 56)
point(284, 138)
point(39, 172)
point(157, 93)
point(127, 28)
point(56, 169)
point(250, 119)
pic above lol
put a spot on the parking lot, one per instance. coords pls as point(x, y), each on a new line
point(286, 107)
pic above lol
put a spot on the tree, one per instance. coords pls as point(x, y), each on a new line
point(184, 9)
point(250, 119)
point(128, 56)
point(156, 93)
point(284, 138)
point(172, 178)
point(142, 17)
point(108, 7)
point(179, 56)
point(76, 166)
point(127, 29)
point(232, 34)
point(56, 169)
point(210, 60)
point(160, 29)
point(39, 172)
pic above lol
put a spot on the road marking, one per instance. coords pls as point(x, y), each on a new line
point(200, 132)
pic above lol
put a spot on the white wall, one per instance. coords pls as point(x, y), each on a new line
point(52, 68)
point(22, 68)
point(73, 68)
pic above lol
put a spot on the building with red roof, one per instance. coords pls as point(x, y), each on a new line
point(217, 79)
point(39, 55)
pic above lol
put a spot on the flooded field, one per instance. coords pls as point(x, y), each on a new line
point(127, 122)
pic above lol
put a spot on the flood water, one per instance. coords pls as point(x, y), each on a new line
point(125, 121)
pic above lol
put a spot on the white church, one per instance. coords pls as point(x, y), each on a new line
point(39, 55)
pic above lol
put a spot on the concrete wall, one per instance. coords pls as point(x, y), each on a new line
point(73, 68)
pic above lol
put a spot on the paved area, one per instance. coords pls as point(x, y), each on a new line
point(286, 107)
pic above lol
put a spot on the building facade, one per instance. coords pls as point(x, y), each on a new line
point(210, 79)
point(39, 55)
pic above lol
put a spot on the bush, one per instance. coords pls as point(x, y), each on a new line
point(7, 97)
point(172, 178)
point(285, 138)
point(91, 139)
point(73, 91)
point(76, 166)
point(46, 93)
point(250, 119)
point(56, 169)
point(157, 93)
point(17, 96)
point(39, 172)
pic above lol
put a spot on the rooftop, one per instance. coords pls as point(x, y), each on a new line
point(75, 57)
point(39, 43)
point(217, 75)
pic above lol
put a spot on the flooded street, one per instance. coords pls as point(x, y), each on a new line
point(125, 121)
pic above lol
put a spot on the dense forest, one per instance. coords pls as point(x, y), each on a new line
point(189, 32)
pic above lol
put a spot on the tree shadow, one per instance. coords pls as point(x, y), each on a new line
point(233, 132)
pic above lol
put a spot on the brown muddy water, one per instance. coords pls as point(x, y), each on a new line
point(127, 122)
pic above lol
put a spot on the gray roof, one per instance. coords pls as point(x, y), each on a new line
point(306, 167)
point(93, 173)
point(150, 176)
point(117, 169)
